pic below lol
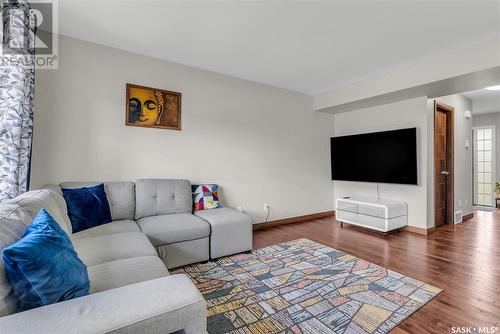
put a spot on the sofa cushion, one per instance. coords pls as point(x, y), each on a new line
point(13, 223)
point(224, 216)
point(117, 226)
point(162, 197)
point(167, 229)
point(33, 201)
point(87, 207)
point(111, 247)
point(121, 197)
point(56, 193)
point(118, 273)
point(43, 267)
point(231, 231)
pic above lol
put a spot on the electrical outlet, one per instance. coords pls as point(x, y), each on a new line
point(266, 207)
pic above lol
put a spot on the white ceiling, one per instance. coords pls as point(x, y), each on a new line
point(484, 101)
point(306, 46)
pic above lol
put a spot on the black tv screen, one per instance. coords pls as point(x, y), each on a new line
point(382, 157)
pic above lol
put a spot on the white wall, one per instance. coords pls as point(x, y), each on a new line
point(414, 113)
point(486, 120)
point(406, 114)
point(261, 144)
point(463, 156)
point(430, 164)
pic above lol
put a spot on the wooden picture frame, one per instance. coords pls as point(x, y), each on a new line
point(152, 107)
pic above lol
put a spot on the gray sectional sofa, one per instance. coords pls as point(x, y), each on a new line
point(131, 290)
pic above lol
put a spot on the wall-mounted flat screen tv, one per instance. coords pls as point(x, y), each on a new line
point(382, 157)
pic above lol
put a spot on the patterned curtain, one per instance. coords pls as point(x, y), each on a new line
point(17, 86)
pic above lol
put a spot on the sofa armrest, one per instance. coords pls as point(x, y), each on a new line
point(164, 305)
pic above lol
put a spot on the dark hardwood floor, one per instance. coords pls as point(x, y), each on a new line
point(463, 259)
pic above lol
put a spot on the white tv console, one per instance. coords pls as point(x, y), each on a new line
point(381, 215)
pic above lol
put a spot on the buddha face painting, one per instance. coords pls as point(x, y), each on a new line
point(150, 107)
point(144, 106)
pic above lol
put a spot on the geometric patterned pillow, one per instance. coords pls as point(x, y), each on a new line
point(205, 196)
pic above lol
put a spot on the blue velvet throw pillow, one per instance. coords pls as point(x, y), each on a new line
point(87, 207)
point(42, 267)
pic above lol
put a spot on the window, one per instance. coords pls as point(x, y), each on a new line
point(484, 150)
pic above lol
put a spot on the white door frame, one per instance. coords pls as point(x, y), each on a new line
point(493, 162)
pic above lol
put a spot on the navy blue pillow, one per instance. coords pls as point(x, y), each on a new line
point(87, 207)
point(42, 267)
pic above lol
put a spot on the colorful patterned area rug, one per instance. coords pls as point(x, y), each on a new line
point(303, 287)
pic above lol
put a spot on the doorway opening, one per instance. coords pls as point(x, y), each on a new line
point(443, 163)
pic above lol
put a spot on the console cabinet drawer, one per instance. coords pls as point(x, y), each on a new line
point(380, 215)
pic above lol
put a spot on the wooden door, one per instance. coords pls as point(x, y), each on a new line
point(443, 164)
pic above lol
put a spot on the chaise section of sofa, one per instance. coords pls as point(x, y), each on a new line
point(163, 305)
point(130, 287)
point(231, 231)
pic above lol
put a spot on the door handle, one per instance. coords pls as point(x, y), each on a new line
point(445, 172)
